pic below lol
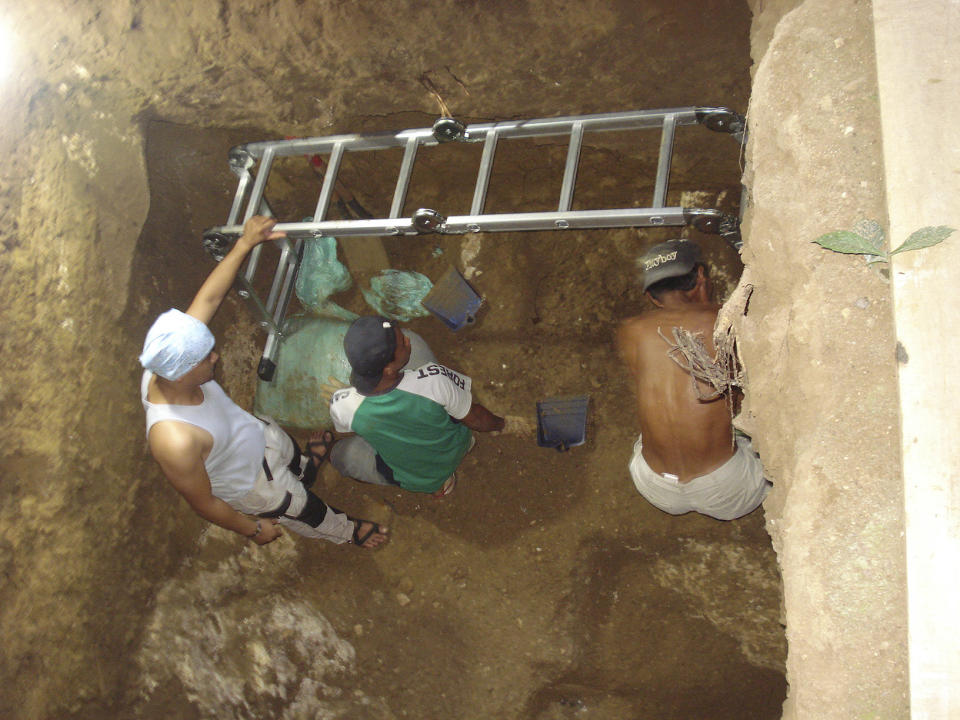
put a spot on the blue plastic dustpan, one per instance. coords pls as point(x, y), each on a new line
point(562, 422)
point(453, 300)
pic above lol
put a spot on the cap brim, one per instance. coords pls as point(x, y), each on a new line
point(365, 384)
point(676, 270)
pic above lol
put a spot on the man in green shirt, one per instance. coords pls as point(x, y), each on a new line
point(412, 420)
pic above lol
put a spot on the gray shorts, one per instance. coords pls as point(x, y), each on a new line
point(734, 489)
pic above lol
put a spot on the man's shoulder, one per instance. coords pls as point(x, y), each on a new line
point(171, 439)
point(345, 402)
point(431, 374)
point(693, 318)
point(343, 394)
point(637, 327)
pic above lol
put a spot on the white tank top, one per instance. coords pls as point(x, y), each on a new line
point(238, 440)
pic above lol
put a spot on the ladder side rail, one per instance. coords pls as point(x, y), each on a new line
point(664, 161)
point(635, 120)
point(483, 174)
point(621, 217)
point(403, 177)
point(570, 169)
point(352, 143)
point(572, 219)
point(329, 181)
point(632, 120)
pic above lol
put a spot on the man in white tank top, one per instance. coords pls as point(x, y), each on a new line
point(228, 464)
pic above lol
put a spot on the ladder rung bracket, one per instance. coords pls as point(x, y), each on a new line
point(255, 304)
point(403, 178)
point(329, 181)
point(483, 175)
point(570, 169)
point(663, 163)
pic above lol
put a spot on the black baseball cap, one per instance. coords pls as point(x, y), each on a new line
point(667, 260)
point(370, 343)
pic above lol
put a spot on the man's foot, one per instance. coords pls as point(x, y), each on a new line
point(318, 446)
point(447, 487)
point(318, 449)
point(367, 534)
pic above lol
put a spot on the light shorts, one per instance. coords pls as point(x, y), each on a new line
point(734, 489)
point(269, 493)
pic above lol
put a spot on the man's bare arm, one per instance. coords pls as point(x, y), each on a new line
point(482, 420)
point(181, 460)
point(257, 229)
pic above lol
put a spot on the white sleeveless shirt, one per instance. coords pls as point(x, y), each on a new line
point(238, 440)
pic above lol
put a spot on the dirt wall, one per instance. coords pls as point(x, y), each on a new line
point(819, 348)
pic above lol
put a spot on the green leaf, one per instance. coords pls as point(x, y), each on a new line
point(844, 241)
point(925, 237)
point(873, 232)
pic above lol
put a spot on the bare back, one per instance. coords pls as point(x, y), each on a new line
point(682, 435)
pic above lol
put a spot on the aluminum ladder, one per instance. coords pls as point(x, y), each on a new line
point(249, 198)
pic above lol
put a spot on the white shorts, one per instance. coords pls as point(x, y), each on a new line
point(734, 489)
point(268, 494)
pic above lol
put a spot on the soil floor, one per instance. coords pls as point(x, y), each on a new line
point(543, 587)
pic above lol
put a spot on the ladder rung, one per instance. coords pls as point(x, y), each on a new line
point(483, 176)
point(570, 171)
point(254, 257)
point(403, 178)
point(329, 181)
point(663, 164)
point(260, 184)
point(242, 188)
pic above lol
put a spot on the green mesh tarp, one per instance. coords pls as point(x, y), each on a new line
point(322, 275)
point(397, 294)
point(310, 352)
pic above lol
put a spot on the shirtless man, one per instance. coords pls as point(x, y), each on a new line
point(226, 463)
point(685, 458)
